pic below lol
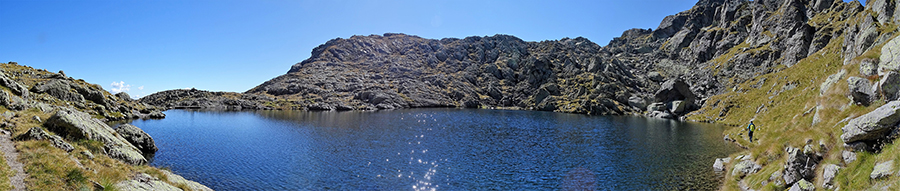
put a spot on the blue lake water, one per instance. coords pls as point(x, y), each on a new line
point(435, 149)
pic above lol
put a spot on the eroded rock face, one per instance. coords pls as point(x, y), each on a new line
point(59, 89)
point(174, 178)
point(200, 99)
point(873, 125)
point(78, 125)
point(138, 138)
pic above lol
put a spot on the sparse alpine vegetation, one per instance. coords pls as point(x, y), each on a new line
point(59, 129)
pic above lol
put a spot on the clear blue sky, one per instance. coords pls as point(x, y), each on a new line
point(235, 45)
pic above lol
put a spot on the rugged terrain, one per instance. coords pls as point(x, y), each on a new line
point(56, 136)
point(818, 76)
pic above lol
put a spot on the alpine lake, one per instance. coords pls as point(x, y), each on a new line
point(436, 149)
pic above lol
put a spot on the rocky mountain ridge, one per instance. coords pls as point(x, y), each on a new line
point(817, 70)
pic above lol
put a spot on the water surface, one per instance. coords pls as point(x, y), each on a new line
point(435, 149)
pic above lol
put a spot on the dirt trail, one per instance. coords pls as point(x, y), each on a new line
point(12, 159)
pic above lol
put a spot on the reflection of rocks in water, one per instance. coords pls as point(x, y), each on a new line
point(579, 179)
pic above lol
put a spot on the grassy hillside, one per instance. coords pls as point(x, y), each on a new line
point(784, 104)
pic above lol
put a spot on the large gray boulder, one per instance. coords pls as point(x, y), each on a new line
point(78, 125)
point(861, 90)
point(799, 165)
point(137, 137)
point(873, 125)
point(828, 175)
point(59, 89)
point(889, 85)
point(673, 90)
point(36, 133)
point(11, 101)
point(890, 56)
point(882, 170)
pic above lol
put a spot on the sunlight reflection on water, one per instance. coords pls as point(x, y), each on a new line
point(435, 149)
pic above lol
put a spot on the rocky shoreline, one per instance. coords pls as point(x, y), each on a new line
point(60, 112)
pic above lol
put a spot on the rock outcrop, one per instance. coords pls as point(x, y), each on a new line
point(36, 133)
point(138, 138)
point(143, 181)
point(745, 166)
point(200, 99)
point(800, 165)
point(77, 125)
point(872, 126)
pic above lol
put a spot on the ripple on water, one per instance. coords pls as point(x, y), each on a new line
point(435, 149)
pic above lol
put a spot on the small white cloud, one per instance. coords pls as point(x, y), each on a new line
point(119, 87)
point(141, 88)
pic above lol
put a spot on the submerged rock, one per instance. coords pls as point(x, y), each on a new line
point(78, 125)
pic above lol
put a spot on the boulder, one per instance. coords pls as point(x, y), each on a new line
point(868, 67)
point(848, 156)
point(776, 179)
point(661, 114)
point(11, 101)
point(637, 102)
point(828, 175)
point(882, 170)
point(861, 90)
point(59, 89)
point(799, 165)
point(831, 80)
point(157, 115)
point(138, 138)
point(36, 133)
point(803, 185)
point(124, 96)
point(677, 106)
point(655, 76)
point(744, 167)
point(890, 56)
point(658, 106)
point(889, 86)
point(873, 125)
point(13, 85)
point(675, 89)
point(77, 125)
point(719, 165)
